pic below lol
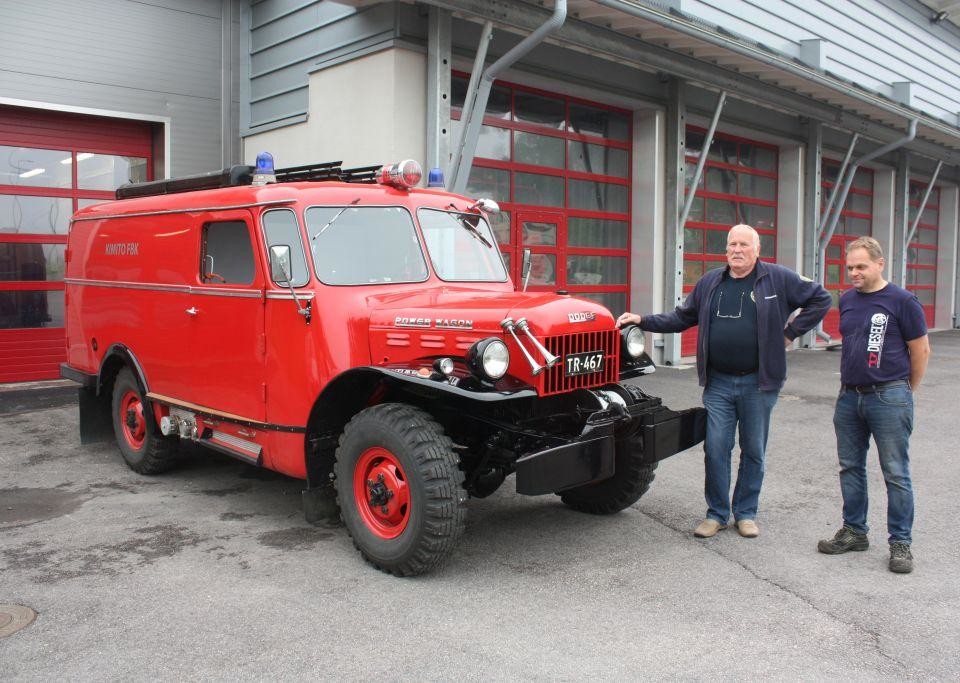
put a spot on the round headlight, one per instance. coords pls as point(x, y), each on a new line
point(633, 341)
point(489, 358)
point(495, 359)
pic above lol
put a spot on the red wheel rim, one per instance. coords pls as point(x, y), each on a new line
point(381, 492)
point(132, 420)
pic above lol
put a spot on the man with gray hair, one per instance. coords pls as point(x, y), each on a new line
point(885, 353)
point(743, 312)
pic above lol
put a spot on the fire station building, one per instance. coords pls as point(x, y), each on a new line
point(621, 138)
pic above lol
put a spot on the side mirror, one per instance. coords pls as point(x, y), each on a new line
point(525, 268)
point(280, 263)
point(487, 206)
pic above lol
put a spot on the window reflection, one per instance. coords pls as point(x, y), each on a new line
point(33, 167)
point(22, 309)
point(40, 215)
point(108, 172)
point(27, 262)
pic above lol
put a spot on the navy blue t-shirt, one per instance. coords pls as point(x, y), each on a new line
point(876, 328)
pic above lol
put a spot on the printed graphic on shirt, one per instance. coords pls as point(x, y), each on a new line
point(875, 339)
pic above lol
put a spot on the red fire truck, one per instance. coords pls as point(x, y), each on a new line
point(344, 327)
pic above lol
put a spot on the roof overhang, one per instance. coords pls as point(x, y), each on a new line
point(664, 41)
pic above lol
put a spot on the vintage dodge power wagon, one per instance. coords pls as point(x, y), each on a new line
point(344, 327)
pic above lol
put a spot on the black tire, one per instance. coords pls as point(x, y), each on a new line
point(143, 447)
point(631, 479)
point(408, 440)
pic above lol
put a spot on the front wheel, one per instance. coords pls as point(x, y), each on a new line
point(400, 489)
point(631, 479)
point(142, 445)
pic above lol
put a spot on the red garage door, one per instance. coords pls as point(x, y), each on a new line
point(856, 220)
point(51, 164)
point(922, 250)
point(739, 185)
point(560, 169)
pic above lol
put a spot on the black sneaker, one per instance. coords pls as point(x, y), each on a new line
point(901, 561)
point(843, 541)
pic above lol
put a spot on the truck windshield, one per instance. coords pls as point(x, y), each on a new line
point(461, 246)
point(361, 245)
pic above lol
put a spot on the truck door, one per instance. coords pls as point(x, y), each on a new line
point(226, 314)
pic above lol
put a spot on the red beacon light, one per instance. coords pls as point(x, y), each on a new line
point(404, 174)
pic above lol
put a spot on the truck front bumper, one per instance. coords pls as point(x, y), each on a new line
point(651, 433)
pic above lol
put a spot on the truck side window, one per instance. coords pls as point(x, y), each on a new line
point(227, 256)
point(280, 227)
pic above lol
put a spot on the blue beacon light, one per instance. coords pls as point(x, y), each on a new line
point(263, 172)
point(435, 178)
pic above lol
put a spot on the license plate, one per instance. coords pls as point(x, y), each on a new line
point(583, 363)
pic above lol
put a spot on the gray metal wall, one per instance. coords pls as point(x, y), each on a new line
point(158, 59)
point(289, 38)
point(873, 43)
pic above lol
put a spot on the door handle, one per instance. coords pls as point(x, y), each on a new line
point(193, 310)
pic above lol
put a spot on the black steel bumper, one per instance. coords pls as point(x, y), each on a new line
point(652, 433)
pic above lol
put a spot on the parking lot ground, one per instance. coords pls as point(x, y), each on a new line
point(210, 572)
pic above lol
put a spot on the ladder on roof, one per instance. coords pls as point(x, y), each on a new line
point(237, 176)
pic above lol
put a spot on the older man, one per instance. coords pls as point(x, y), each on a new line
point(743, 312)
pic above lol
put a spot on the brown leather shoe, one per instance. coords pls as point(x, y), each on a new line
point(748, 528)
point(708, 528)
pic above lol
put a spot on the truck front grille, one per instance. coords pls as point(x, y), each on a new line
point(556, 381)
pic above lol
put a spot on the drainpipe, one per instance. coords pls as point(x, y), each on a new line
point(471, 127)
point(831, 222)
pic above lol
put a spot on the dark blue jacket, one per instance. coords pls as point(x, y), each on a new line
point(778, 292)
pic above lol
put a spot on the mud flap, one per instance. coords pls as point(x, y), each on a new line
point(96, 422)
point(667, 432)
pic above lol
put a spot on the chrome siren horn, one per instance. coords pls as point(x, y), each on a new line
point(508, 326)
point(522, 325)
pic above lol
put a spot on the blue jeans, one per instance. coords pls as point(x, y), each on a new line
point(731, 400)
point(887, 415)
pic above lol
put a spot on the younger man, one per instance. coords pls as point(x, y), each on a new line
point(885, 352)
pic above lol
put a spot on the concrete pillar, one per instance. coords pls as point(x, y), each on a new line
point(647, 229)
point(438, 91)
point(790, 235)
point(812, 168)
point(884, 200)
point(896, 270)
point(674, 175)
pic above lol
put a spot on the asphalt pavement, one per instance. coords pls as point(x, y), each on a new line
point(211, 573)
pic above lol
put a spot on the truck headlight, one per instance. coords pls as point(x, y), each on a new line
point(632, 340)
point(489, 358)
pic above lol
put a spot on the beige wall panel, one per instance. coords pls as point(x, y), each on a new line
point(367, 111)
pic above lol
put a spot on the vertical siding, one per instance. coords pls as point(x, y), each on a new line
point(873, 43)
point(288, 38)
point(161, 58)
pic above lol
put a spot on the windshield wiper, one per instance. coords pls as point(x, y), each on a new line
point(335, 217)
point(463, 219)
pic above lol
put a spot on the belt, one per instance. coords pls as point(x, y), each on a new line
point(873, 388)
point(735, 373)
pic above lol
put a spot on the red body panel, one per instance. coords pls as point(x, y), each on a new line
point(245, 351)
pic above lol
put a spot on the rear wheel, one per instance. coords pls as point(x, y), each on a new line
point(399, 488)
point(142, 445)
point(631, 479)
